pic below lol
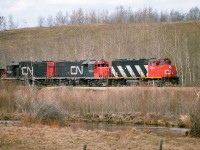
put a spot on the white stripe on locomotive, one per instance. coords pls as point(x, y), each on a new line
point(139, 70)
point(130, 70)
point(114, 72)
point(122, 71)
point(146, 67)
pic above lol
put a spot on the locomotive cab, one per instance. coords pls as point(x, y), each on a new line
point(161, 68)
point(102, 69)
point(12, 70)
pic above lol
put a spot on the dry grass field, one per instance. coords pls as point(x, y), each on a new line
point(54, 137)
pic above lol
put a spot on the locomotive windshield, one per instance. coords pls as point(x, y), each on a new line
point(163, 62)
point(102, 65)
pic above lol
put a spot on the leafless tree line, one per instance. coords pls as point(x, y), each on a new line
point(7, 23)
point(120, 15)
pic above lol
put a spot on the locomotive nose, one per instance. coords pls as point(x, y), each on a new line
point(170, 70)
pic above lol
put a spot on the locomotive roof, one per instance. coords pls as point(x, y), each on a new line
point(13, 64)
point(130, 59)
point(89, 62)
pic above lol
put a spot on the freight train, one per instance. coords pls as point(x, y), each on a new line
point(93, 72)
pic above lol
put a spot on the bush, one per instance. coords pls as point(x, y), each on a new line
point(50, 113)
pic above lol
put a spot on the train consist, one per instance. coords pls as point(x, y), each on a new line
point(93, 72)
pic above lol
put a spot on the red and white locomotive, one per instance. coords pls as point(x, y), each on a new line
point(93, 72)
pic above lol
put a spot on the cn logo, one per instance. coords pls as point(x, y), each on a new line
point(27, 70)
point(168, 72)
point(75, 70)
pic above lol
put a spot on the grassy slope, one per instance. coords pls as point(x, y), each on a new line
point(11, 39)
point(108, 42)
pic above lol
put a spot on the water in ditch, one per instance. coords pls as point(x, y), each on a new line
point(110, 127)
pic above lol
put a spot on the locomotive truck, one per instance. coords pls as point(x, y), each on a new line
point(93, 72)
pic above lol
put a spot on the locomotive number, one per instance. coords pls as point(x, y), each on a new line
point(75, 70)
point(26, 70)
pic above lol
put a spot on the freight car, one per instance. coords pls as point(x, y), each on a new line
point(93, 72)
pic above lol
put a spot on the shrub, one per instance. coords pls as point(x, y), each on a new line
point(50, 113)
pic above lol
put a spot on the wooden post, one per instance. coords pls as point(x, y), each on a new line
point(84, 147)
point(161, 143)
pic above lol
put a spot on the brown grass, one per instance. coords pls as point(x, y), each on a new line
point(112, 104)
point(48, 137)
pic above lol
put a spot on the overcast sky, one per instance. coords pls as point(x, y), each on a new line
point(29, 10)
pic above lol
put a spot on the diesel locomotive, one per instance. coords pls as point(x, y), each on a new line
point(93, 72)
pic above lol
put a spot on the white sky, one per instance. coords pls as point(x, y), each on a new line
point(29, 10)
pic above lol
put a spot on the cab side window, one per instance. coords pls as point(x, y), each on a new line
point(152, 64)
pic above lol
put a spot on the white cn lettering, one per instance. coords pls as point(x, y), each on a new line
point(75, 70)
point(26, 70)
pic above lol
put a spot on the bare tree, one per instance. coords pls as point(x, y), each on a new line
point(2, 23)
point(11, 23)
point(120, 15)
point(92, 17)
point(103, 17)
point(73, 17)
point(164, 16)
point(193, 14)
point(80, 16)
point(41, 21)
point(50, 21)
point(61, 19)
point(176, 16)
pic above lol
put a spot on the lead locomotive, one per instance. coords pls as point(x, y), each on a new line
point(93, 72)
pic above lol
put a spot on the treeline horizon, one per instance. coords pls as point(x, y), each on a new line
point(120, 15)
